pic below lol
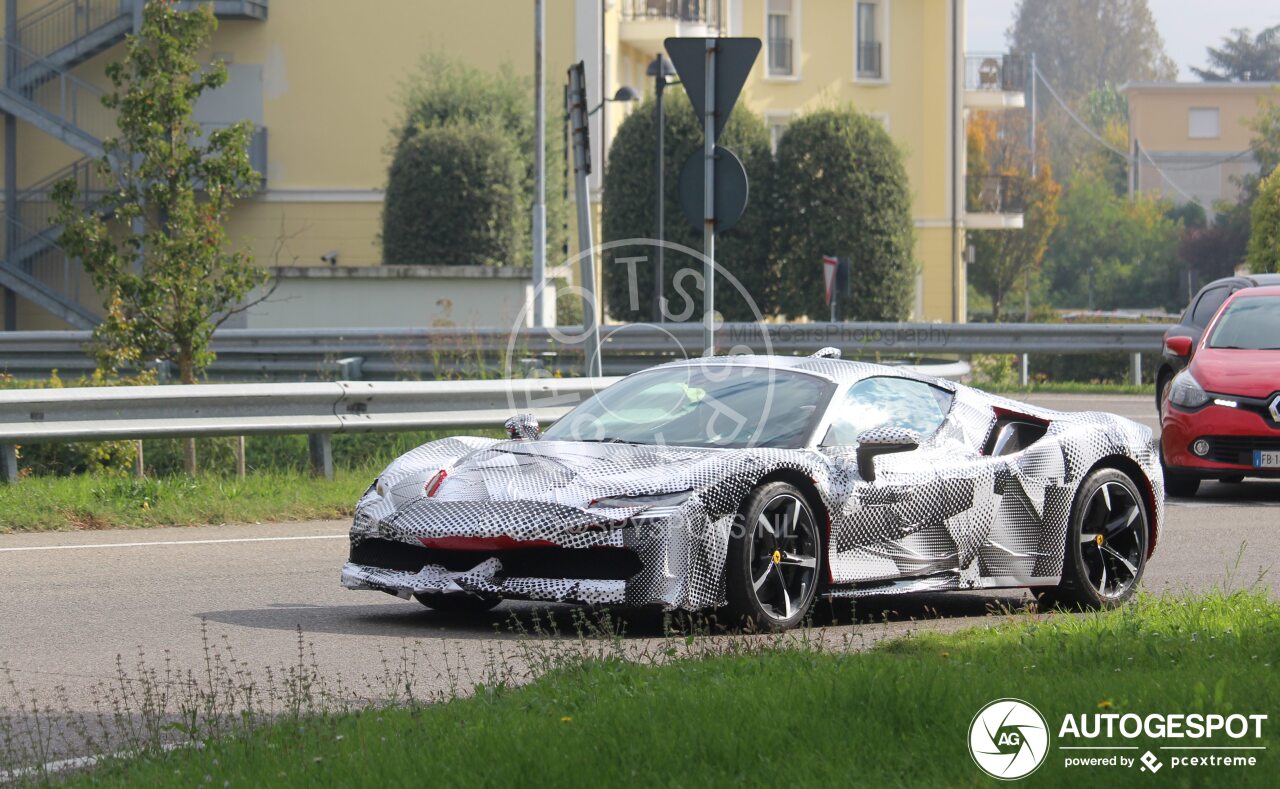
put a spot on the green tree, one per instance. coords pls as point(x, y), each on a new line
point(156, 250)
point(840, 189)
point(1084, 46)
point(1244, 57)
point(454, 196)
point(1004, 260)
point(628, 212)
point(1109, 252)
point(1264, 243)
point(492, 107)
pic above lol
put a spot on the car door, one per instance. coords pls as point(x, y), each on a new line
point(894, 526)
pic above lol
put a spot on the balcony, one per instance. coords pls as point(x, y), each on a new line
point(995, 81)
point(231, 9)
point(869, 63)
point(646, 24)
point(994, 202)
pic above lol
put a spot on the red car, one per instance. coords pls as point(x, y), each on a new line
point(1221, 415)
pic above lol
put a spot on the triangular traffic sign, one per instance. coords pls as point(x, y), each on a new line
point(734, 59)
point(829, 265)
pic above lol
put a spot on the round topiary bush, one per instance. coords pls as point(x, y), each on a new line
point(840, 189)
point(628, 212)
point(453, 197)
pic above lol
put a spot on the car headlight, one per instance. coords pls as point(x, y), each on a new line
point(1186, 391)
point(646, 501)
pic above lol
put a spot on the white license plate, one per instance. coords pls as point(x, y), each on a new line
point(1266, 458)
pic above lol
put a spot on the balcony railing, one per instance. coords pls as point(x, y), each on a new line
point(706, 12)
point(869, 65)
point(780, 53)
point(1006, 73)
point(995, 194)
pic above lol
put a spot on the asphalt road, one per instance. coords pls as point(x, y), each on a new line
point(72, 602)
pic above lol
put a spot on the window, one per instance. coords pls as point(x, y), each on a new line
point(869, 37)
point(1202, 123)
point(887, 402)
point(781, 31)
point(701, 406)
point(1208, 304)
point(1251, 323)
point(776, 122)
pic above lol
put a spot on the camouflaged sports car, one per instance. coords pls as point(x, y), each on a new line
point(757, 483)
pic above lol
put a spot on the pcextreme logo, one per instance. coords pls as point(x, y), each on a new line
point(1008, 739)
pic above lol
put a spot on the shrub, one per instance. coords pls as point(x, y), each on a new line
point(453, 197)
point(444, 93)
point(841, 189)
point(628, 212)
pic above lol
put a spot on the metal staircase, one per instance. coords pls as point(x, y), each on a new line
point(40, 48)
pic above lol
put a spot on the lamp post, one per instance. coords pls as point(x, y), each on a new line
point(661, 70)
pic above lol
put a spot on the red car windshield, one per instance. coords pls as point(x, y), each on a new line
point(1251, 323)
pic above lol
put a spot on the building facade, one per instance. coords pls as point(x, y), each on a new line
point(1189, 140)
point(321, 80)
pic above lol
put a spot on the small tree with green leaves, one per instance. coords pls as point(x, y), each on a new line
point(840, 188)
point(1264, 243)
point(155, 245)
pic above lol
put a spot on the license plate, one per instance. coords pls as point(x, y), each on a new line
point(1266, 458)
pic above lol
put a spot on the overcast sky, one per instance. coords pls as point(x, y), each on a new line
point(1187, 26)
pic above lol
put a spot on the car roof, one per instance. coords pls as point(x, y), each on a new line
point(1247, 280)
point(1264, 291)
point(837, 370)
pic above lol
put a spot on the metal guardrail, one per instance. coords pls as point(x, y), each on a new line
point(293, 354)
point(29, 416)
point(114, 413)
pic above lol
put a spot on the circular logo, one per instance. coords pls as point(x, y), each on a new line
point(1008, 739)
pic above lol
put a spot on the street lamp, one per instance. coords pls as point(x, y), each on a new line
point(661, 70)
point(625, 93)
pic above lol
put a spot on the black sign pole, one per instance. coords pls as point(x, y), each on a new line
point(709, 206)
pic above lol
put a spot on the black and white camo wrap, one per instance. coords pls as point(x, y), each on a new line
point(941, 517)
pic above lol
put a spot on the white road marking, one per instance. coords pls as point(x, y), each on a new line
point(169, 542)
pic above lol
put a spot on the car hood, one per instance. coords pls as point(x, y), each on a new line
point(1237, 372)
point(572, 473)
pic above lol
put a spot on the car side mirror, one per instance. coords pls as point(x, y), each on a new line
point(882, 441)
point(1178, 346)
point(523, 427)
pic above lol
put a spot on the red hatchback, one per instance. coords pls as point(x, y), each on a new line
point(1221, 415)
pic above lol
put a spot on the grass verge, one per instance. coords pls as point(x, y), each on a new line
point(896, 715)
point(99, 501)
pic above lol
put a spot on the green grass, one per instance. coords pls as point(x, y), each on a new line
point(101, 501)
point(897, 715)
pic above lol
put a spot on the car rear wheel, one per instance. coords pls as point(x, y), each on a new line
point(458, 603)
point(775, 560)
point(1106, 550)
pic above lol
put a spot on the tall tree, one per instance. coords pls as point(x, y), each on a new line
point(1004, 260)
point(840, 189)
point(1244, 57)
point(156, 245)
point(1264, 244)
point(1085, 47)
point(628, 212)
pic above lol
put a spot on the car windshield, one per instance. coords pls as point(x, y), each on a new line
point(1251, 323)
point(728, 405)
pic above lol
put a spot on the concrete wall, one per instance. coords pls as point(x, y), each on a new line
point(393, 297)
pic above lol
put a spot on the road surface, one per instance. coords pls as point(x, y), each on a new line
point(72, 602)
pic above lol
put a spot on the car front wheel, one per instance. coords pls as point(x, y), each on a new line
point(1106, 550)
point(775, 560)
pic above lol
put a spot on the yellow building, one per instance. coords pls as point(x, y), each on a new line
point(1190, 140)
point(321, 80)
